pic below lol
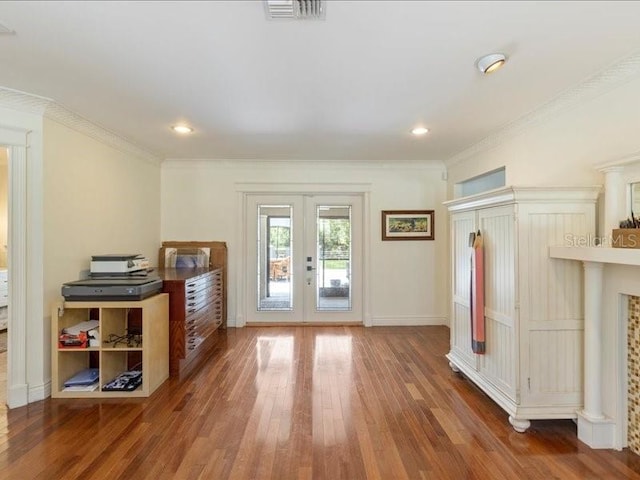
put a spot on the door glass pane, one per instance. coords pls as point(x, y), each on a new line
point(275, 281)
point(333, 267)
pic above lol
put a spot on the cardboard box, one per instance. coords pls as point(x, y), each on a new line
point(625, 238)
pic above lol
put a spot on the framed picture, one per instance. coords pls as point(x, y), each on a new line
point(407, 224)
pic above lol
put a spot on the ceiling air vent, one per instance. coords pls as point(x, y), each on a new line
point(295, 9)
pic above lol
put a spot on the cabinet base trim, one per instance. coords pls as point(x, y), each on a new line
point(519, 426)
point(518, 412)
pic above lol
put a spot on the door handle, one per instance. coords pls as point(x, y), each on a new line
point(310, 268)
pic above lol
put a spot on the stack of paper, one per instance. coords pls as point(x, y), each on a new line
point(84, 380)
point(82, 335)
point(81, 327)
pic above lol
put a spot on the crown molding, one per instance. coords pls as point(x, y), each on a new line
point(74, 121)
point(619, 163)
point(23, 102)
point(594, 86)
point(435, 165)
point(46, 107)
point(524, 194)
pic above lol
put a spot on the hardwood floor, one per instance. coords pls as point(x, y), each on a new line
point(302, 403)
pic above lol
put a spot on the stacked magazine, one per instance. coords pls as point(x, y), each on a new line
point(125, 382)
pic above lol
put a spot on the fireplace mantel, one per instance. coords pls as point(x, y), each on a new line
point(602, 422)
point(620, 256)
point(610, 274)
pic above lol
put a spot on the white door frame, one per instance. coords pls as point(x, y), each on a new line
point(23, 304)
point(245, 189)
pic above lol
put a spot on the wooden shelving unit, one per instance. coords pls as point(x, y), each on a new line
point(149, 317)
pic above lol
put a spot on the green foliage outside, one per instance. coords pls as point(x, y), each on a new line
point(334, 234)
point(280, 237)
point(334, 237)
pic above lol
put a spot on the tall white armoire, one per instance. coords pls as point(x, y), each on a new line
point(533, 364)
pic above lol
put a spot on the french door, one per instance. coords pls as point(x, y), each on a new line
point(304, 258)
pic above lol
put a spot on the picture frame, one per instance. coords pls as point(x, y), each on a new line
point(408, 225)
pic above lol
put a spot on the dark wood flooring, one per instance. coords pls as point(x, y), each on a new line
point(302, 403)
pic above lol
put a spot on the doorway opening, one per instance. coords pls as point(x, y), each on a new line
point(4, 291)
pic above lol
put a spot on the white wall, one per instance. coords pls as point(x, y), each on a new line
point(97, 200)
point(561, 149)
point(408, 279)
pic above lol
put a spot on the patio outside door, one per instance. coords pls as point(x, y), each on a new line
point(304, 258)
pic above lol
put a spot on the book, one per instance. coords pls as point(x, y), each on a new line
point(84, 377)
point(82, 388)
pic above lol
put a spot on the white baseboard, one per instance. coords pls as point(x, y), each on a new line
point(17, 395)
point(40, 392)
point(395, 321)
point(408, 321)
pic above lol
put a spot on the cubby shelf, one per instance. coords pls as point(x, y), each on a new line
point(148, 318)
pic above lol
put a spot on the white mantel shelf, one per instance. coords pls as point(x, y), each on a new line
point(620, 256)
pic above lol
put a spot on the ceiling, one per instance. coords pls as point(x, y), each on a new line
point(349, 87)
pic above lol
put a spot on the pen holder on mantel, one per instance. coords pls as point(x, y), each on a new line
point(625, 238)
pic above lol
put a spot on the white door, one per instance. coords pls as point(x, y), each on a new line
point(304, 258)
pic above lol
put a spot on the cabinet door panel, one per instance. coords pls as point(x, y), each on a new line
point(462, 224)
point(500, 361)
point(552, 303)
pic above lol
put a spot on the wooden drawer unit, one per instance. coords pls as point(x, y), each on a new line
point(196, 309)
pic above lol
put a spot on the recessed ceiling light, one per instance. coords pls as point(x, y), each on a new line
point(420, 131)
point(183, 129)
point(490, 63)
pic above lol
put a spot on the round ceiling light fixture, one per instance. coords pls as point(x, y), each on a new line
point(490, 63)
point(420, 131)
point(182, 129)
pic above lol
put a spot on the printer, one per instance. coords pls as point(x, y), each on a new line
point(98, 289)
point(118, 277)
point(118, 264)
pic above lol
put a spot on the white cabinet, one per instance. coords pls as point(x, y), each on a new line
point(532, 366)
